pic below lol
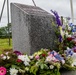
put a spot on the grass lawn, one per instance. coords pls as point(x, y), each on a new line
point(4, 44)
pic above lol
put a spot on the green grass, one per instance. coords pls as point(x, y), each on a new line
point(4, 44)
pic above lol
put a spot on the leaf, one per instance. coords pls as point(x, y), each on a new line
point(42, 66)
point(7, 65)
point(58, 73)
point(34, 69)
point(45, 66)
point(14, 66)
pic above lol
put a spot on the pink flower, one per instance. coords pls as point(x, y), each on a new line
point(56, 60)
point(74, 40)
point(48, 53)
point(74, 49)
point(55, 53)
point(1, 55)
point(3, 71)
point(51, 58)
point(63, 61)
point(37, 57)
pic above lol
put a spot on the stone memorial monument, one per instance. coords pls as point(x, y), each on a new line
point(32, 28)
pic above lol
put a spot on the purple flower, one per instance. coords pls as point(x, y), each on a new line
point(53, 53)
point(60, 38)
point(69, 52)
point(71, 24)
point(57, 56)
point(58, 21)
point(17, 53)
point(55, 13)
point(63, 27)
point(74, 49)
point(74, 30)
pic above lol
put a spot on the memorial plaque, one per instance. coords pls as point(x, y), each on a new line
point(32, 28)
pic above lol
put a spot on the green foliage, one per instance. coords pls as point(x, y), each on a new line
point(4, 45)
point(34, 69)
point(68, 67)
point(49, 72)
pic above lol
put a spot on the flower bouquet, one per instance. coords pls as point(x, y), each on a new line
point(14, 63)
point(66, 42)
point(45, 62)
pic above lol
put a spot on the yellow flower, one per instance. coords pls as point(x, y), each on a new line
point(61, 31)
point(37, 53)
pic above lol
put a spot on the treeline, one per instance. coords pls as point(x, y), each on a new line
point(5, 32)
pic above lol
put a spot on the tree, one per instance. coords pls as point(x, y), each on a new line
point(4, 31)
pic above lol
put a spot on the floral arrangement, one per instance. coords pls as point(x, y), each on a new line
point(45, 61)
point(42, 62)
point(66, 33)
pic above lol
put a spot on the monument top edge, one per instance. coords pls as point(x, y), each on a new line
point(31, 9)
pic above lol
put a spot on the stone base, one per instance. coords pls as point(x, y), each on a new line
point(68, 73)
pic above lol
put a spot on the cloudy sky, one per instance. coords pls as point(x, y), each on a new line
point(61, 6)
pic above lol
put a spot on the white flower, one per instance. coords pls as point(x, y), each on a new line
point(73, 64)
point(61, 31)
point(37, 63)
point(51, 66)
point(68, 48)
point(13, 71)
point(1, 55)
point(31, 57)
point(63, 61)
point(50, 58)
point(47, 59)
point(74, 59)
point(25, 59)
point(21, 71)
point(66, 34)
point(6, 53)
point(8, 57)
point(69, 28)
point(73, 33)
point(69, 35)
point(27, 69)
point(26, 63)
point(22, 57)
point(4, 57)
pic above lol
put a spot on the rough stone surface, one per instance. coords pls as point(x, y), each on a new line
point(31, 28)
point(69, 73)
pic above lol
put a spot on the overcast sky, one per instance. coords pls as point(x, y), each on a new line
point(61, 6)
